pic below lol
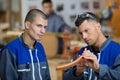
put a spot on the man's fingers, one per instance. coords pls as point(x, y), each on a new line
point(85, 49)
point(91, 59)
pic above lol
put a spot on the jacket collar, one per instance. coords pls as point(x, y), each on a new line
point(104, 45)
point(22, 41)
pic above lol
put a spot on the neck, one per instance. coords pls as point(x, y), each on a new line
point(100, 41)
point(28, 40)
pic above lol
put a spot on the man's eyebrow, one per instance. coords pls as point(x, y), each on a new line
point(39, 24)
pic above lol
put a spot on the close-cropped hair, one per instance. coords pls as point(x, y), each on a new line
point(85, 16)
point(46, 1)
point(33, 13)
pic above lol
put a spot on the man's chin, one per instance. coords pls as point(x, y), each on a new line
point(89, 44)
point(38, 38)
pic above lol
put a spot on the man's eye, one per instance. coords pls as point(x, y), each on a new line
point(86, 31)
point(45, 27)
point(80, 33)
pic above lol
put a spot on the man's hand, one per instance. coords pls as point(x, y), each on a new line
point(80, 67)
point(91, 60)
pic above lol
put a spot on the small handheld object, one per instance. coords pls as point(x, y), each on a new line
point(63, 67)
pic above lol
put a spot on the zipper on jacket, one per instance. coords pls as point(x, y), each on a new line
point(99, 56)
point(33, 69)
point(90, 74)
point(38, 66)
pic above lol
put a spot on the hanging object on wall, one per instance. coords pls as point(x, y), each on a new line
point(60, 7)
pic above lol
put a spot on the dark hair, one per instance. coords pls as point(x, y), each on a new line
point(85, 16)
point(33, 13)
point(46, 1)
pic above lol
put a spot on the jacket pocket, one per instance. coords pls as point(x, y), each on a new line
point(44, 71)
point(24, 72)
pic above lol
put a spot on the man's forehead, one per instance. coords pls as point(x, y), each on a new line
point(84, 23)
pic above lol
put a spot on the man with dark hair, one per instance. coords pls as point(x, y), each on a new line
point(100, 59)
point(24, 58)
point(55, 23)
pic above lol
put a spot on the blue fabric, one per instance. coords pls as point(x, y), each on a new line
point(109, 63)
point(17, 57)
point(109, 51)
point(56, 24)
point(21, 51)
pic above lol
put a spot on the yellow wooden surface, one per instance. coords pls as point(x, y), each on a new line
point(53, 63)
point(114, 23)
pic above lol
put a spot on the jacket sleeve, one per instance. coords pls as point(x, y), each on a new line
point(61, 25)
point(69, 74)
point(48, 73)
point(8, 69)
point(110, 73)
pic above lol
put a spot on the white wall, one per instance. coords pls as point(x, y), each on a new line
point(26, 5)
point(3, 4)
point(67, 11)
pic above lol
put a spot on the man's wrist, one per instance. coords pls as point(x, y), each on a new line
point(97, 69)
point(77, 72)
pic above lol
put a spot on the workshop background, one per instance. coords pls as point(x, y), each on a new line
point(12, 14)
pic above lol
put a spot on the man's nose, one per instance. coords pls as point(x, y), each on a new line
point(42, 30)
point(84, 35)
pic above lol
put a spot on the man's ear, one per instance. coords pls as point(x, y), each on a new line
point(98, 26)
point(27, 24)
